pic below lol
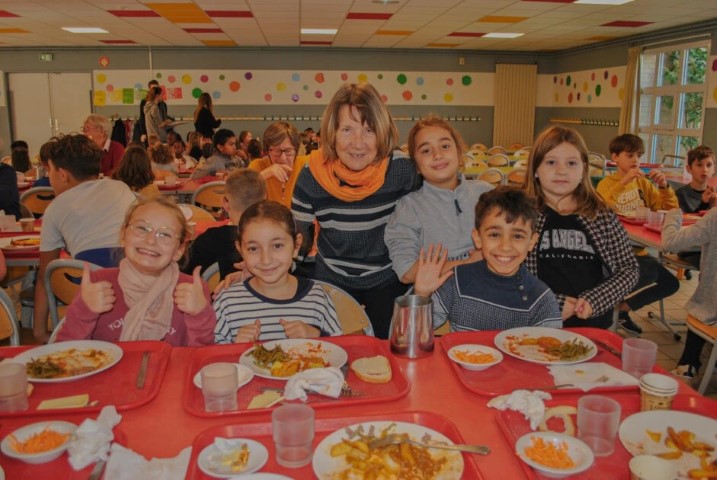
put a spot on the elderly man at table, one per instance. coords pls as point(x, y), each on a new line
point(85, 217)
point(97, 128)
point(624, 191)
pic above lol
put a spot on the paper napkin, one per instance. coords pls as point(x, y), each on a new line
point(325, 381)
point(588, 375)
point(91, 441)
point(526, 402)
point(125, 464)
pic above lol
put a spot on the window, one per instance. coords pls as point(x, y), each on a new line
point(673, 87)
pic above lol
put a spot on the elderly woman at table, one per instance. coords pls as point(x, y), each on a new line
point(350, 187)
point(280, 168)
point(97, 128)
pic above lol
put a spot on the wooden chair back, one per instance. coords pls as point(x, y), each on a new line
point(352, 317)
point(9, 325)
point(62, 283)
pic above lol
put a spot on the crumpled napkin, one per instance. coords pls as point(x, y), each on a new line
point(584, 375)
point(530, 404)
point(124, 464)
point(326, 381)
point(91, 441)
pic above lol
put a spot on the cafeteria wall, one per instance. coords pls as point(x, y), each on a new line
point(606, 56)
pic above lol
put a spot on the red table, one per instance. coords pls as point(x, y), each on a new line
point(162, 427)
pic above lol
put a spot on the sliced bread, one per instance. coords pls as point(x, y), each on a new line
point(372, 369)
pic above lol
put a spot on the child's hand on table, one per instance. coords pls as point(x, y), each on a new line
point(583, 309)
point(98, 296)
point(189, 297)
point(298, 329)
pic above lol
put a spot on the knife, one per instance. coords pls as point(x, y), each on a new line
point(142, 374)
point(97, 471)
point(607, 347)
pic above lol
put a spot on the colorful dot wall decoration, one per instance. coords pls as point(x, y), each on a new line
point(407, 95)
point(424, 97)
point(466, 80)
point(204, 79)
point(598, 90)
point(267, 97)
point(222, 77)
point(380, 76)
point(186, 79)
point(196, 92)
point(305, 88)
point(568, 79)
point(216, 95)
point(319, 78)
point(362, 77)
point(344, 77)
point(318, 94)
point(281, 87)
point(248, 76)
point(419, 81)
point(295, 77)
point(110, 87)
point(613, 81)
point(234, 86)
point(587, 87)
point(448, 97)
point(101, 78)
point(295, 98)
point(171, 79)
point(401, 79)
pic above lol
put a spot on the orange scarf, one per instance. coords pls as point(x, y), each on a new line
point(343, 183)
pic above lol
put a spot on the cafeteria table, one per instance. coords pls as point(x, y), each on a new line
point(167, 415)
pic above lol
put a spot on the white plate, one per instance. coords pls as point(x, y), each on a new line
point(258, 456)
point(6, 244)
point(577, 450)
point(328, 467)
point(333, 354)
point(244, 373)
point(22, 434)
point(474, 348)
point(114, 351)
point(530, 353)
point(634, 437)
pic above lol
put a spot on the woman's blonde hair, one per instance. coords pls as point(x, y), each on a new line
point(162, 201)
point(371, 110)
point(276, 133)
point(204, 101)
point(587, 199)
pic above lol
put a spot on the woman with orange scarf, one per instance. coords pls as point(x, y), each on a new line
point(350, 187)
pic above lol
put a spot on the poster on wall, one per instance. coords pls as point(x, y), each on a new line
point(292, 87)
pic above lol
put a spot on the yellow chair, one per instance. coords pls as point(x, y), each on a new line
point(709, 334)
point(211, 276)
point(479, 146)
point(493, 176)
point(496, 150)
point(210, 196)
point(498, 160)
point(352, 317)
point(516, 146)
point(9, 326)
point(198, 213)
point(516, 177)
point(521, 154)
point(62, 283)
point(37, 200)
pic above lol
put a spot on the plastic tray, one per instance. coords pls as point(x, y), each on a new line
point(58, 468)
point(115, 386)
point(513, 373)
point(356, 346)
point(513, 425)
point(631, 220)
point(261, 432)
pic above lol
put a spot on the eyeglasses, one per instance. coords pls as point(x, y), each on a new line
point(277, 152)
point(163, 235)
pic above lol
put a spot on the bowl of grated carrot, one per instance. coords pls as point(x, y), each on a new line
point(39, 442)
point(554, 455)
point(472, 356)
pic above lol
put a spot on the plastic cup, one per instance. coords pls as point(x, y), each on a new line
point(293, 432)
point(171, 180)
point(657, 391)
point(27, 224)
point(598, 421)
point(13, 387)
point(638, 356)
point(220, 383)
point(651, 467)
point(192, 229)
point(641, 214)
point(655, 219)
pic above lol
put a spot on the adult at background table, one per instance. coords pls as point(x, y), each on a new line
point(280, 167)
point(140, 131)
point(97, 128)
point(204, 121)
point(350, 187)
point(84, 218)
point(703, 303)
point(9, 193)
point(582, 252)
point(625, 191)
point(155, 121)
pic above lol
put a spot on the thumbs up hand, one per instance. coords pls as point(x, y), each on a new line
point(98, 296)
point(189, 297)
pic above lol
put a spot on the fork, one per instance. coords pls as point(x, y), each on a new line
point(346, 390)
point(600, 379)
point(395, 439)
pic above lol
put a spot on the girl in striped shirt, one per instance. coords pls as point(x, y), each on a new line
point(272, 304)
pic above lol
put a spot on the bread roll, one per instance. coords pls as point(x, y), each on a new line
point(372, 369)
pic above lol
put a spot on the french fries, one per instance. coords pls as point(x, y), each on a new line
point(400, 462)
point(684, 442)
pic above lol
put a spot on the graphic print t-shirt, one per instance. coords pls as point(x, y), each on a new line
point(567, 261)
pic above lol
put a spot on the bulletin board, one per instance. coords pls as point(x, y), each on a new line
point(291, 87)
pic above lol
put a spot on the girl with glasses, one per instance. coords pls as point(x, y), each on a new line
point(146, 298)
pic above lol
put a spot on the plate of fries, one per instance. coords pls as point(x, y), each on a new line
point(350, 453)
point(548, 346)
point(687, 439)
point(282, 359)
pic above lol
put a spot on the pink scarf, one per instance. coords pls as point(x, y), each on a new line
point(150, 300)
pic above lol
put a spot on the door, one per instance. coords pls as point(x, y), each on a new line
point(46, 104)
